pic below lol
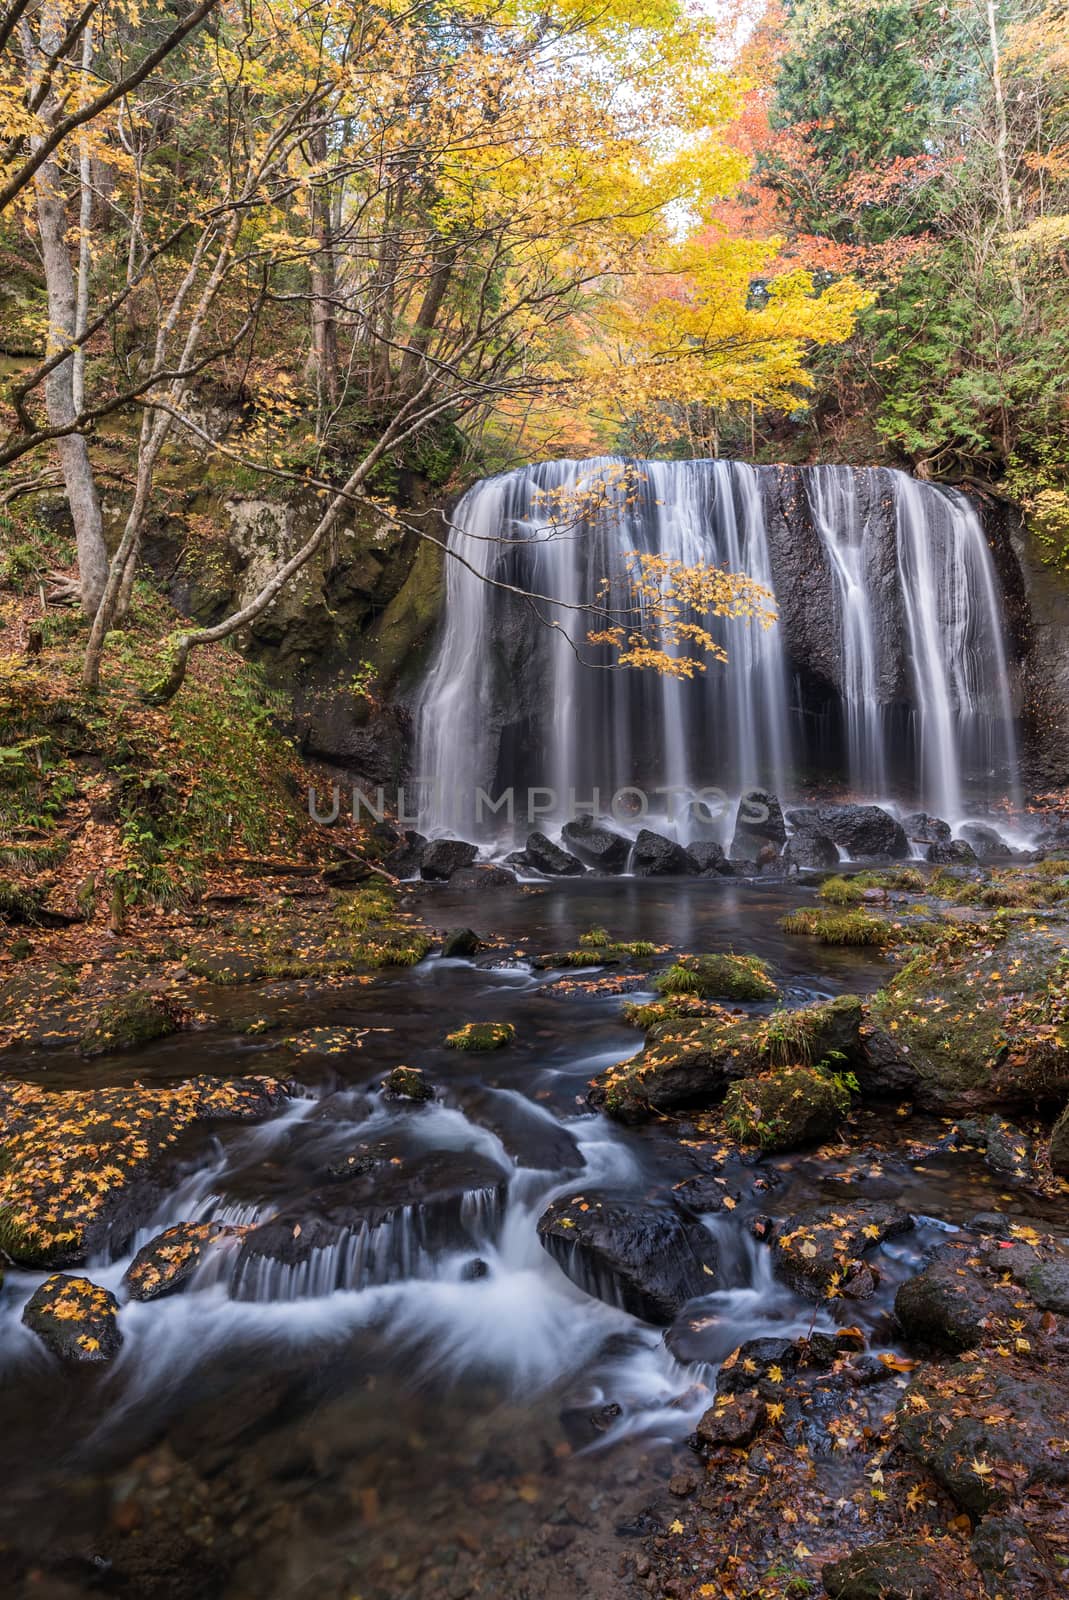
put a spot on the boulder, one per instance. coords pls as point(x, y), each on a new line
point(987, 845)
point(757, 1363)
point(951, 853)
point(717, 977)
point(648, 1259)
point(948, 1307)
point(407, 1083)
point(823, 1247)
point(732, 1420)
point(785, 1109)
point(654, 856)
point(1009, 1150)
point(76, 1319)
point(1003, 1551)
point(598, 846)
point(697, 822)
point(459, 944)
point(488, 875)
point(1048, 1284)
point(1007, 1417)
point(442, 857)
point(707, 857)
point(924, 829)
point(1059, 1145)
point(758, 821)
point(544, 856)
point(406, 856)
point(899, 1569)
point(860, 830)
point(743, 867)
point(168, 1262)
point(808, 847)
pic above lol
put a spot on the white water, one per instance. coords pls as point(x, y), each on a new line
point(515, 696)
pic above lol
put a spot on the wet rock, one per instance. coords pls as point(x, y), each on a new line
point(1059, 1145)
point(473, 1270)
point(717, 977)
point(924, 829)
point(707, 857)
point(76, 1319)
point(899, 1569)
point(733, 1419)
point(407, 1083)
point(753, 1362)
point(648, 1259)
point(1008, 1561)
point(442, 857)
point(758, 822)
point(481, 1036)
point(364, 1230)
point(987, 845)
point(785, 1109)
point(406, 856)
point(542, 855)
point(488, 875)
point(1048, 1284)
point(885, 1069)
point(743, 867)
point(168, 1262)
point(818, 1249)
point(460, 944)
point(993, 1414)
point(654, 856)
point(808, 847)
point(133, 1020)
point(860, 830)
point(597, 846)
point(951, 853)
point(949, 1307)
point(531, 1136)
point(1009, 1150)
point(697, 823)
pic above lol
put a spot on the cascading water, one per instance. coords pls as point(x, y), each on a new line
point(890, 633)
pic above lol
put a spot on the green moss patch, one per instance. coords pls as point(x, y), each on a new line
point(481, 1036)
point(134, 1020)
point(717, 977)
point(786, 1108)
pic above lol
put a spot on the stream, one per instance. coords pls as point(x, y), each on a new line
point(423, 1410)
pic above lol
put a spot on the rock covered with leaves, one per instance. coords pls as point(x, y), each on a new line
point(75, 1318)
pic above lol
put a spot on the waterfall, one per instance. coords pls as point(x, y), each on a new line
point(891, 633)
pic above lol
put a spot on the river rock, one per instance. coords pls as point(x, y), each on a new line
point(1009, 1418)
point(948, 1306)
point(758, 821)
point(1009, 1150)
point(808, 847)
point(542, 855)
point(785, 1109)
point(732, 1420)
point(598, 846)
point(76, 1319)
point(406, 856)
point(749, 1366)
point(924, 829)
point(986, 843)
point(824, 1246)
point(860, 830)
point(698, 823)
point(707, 857)
point(487, 875)
point(951, 853)
point(1048, 1284)
point(364, 1229)
point(1003, 1550)
point(407, 1083)
point(899, 1569)
point(168, 1262)
point(654, 856)
point(442, 857)
point(530, 1135)
point(459, 944)
point(648, 1259)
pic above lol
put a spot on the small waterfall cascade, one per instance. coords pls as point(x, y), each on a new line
point(890, 632)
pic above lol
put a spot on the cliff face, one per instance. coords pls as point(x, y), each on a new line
point(1044, 621)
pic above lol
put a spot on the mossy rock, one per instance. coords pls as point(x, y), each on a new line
point(677, 1008)
point(850, 927)
point(135, 1019)
point(76, 1319)
point(717, 977)
point(691, 1063)
point(785, 1109)
point(481, 1036)
point(408, 1083)
point(19, 905)
point(227, 966)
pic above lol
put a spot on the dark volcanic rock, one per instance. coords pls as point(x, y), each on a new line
point(75, 1318)
point(459, 944)
point(698, 823)
point(986, 843)
point(646, 1258)
point(924, 829)
point(750, 1364)
point(486, 876)
point(542, 855)
point(406, 857)
point(168, 1262)
point(758, 821)
point(947, 1306)
point(599, 847)
point(732, 1420)
point(657, 857)
point(860, 830)
point(808, 847)
point(1003, 1550)
point(707, 857)
point(951, 853)
point(442, 857)
point(899, 1569)
point(407, 1083)
point(824, 1246)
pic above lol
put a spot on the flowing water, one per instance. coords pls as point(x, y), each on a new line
point(888, 672)
point(423, 1404)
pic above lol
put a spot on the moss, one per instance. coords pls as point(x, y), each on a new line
point(842, 927)
point(717, 977)
point(407, 1083)
point(786, 1108)
point(123, 1024)
point(481, 1036)
point(595, 938)
point(678, 1007)
point(19, 905)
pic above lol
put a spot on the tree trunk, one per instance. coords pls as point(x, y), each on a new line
point(323, 282)
point(442, 263)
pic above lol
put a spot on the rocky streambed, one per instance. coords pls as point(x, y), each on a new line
point(692, 1237)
